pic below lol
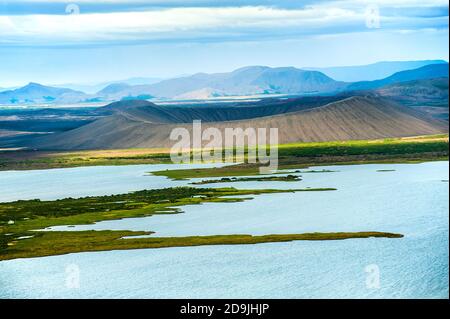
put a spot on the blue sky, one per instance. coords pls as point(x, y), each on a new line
point(84, 41)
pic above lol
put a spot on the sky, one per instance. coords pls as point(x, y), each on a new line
point(87, 42)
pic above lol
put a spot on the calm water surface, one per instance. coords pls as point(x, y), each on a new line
point(412, 200)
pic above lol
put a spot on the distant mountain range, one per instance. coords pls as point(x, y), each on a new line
point(425, 72)
point(247, 81)
point(241, 82)
point(37, 93)
point(371, 72)
point(94, 88)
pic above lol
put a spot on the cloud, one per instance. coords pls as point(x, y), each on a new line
point(213, 23)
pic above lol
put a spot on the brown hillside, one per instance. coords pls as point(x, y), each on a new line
point(349, 119)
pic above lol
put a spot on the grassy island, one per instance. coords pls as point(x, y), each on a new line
point(287, 178)
point(23, 215)
point(20, 221)
point(23, 222)
point(58, 243)
point(317, 171)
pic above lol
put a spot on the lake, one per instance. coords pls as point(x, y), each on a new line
point(412, 200)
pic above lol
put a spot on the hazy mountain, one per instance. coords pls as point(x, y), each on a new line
point(37, 93)
point(245, 81)
point(113, 89)
point(123, 91)
point(200, 94)
point(148, 125)
point(252, 80)
point(259, 80)
point(373, 71)
point(425, 72)
point(94, 88)
point(293, 81)
point(141, 81)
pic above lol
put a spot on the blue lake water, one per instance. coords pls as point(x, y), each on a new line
point(84, 181)
point(412, 200)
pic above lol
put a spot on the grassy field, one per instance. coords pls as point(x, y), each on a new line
point(30, 160)
point(303, 155)
point(413, 149)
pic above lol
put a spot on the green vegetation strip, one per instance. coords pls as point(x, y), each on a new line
point(58, 243)
point(32, 160)
point(393, 150)
point(288, 178)
point(24, 215)
point(20, 221)
point(303, 155)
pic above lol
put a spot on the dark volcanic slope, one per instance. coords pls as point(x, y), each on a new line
point(430, 95)
point(429, 92)
point(350, 118)
point(218, 112)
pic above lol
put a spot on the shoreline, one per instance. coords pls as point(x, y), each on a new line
point(95, 241)
point(22, 219)
point(393, 150)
